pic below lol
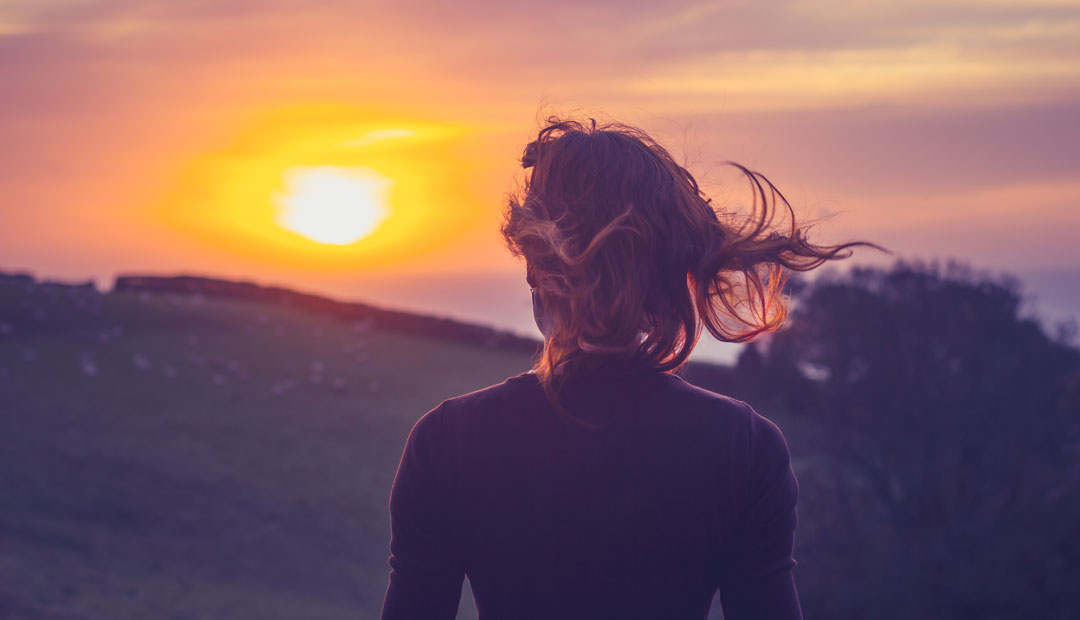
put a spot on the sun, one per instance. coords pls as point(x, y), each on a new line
point(332, 205)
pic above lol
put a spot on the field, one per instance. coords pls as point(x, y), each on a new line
point(194, 448)
point(186, 456)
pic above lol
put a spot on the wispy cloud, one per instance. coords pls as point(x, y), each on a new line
point(943, 76)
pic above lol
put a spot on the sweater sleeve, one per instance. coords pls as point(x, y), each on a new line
point(758, 583)
point(426, 568)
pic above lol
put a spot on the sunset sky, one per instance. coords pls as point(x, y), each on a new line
point(197, 136)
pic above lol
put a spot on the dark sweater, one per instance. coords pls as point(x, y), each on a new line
point(684, 492)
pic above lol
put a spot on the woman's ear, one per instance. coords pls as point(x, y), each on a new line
point(530, 277)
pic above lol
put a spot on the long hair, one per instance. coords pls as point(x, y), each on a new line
point(630, 258)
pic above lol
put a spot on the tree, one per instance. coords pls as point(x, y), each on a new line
point(961, 418)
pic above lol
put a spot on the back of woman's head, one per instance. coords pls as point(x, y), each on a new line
point(629, 258)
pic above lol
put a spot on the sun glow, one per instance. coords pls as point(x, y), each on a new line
point(333, 187)
point(333, 205)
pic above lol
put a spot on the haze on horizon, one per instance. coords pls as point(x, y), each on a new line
point(153, 136)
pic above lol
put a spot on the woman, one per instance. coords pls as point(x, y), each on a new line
point(599, 484)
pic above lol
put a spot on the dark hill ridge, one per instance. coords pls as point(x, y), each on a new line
point(397, 320)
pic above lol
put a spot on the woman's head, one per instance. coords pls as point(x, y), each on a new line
point(629, 258)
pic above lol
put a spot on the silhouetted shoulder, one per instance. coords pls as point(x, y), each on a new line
point(706, 397)
point(763, 441)
point(494, 396)
point(713, 406)
point(516, 393)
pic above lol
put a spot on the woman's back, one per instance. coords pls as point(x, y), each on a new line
point(682, 492)
point(600, 485)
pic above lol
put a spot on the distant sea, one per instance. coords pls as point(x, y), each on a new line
point(1053, 295)
point(501, 300)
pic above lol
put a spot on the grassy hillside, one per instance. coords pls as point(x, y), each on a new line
point(181, 456)
point(191, 448)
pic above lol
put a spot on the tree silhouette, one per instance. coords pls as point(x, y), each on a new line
point(953, 413)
